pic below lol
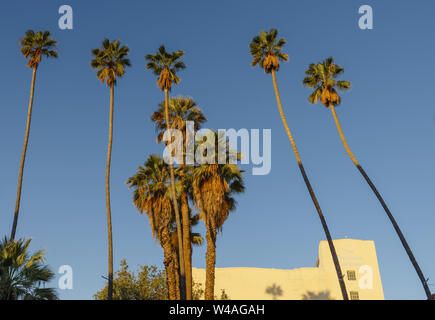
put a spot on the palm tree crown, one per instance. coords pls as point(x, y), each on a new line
point(151, 194)
point(35, 45)
point(322, 77)
point(180, 110)
point(266, 50)
point(165, 65)
point(214, 184)
point(110, 61)
point(21, 274)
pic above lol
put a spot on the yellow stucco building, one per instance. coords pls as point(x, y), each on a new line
point(358, 262)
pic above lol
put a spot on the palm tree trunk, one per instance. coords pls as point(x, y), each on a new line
point(384, 205)
point(169, 267)
point(187, 244)
point(23, 156)
point(210, 261)
point(109, 214)
point(177, 214)
point(169, 264)
point(312, 194)
point(168, 270)
point(176, 274)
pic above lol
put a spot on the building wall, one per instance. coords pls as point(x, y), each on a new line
point(316, 283)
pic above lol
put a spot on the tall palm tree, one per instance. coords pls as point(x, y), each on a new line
point(110, 60)
point(181, 110)
point(213, 186)
point(22, 274)
point(322, 77)
point(151, 195)
point(165, 65)
point(33, 46)
point(266, 49)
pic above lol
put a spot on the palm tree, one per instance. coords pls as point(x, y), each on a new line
point(266, 49)
point(213, 186)
point(166, 65)
point(22, 274)
point(322, 77)
point(110, 60)
point(33, 46)
point(151, 195)
point(181, 110)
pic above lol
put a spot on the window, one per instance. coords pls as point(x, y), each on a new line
point(351, 275)
point(354, 295)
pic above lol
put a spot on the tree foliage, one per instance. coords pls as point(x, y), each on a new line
point(110, 60)
point(23, 275)
point(322, 78)
point(34, 45)
point(149, 283)
point(180, 110)
point(165, 65)
point(266, 50)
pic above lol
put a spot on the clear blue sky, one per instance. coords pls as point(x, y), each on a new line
point(388, 118)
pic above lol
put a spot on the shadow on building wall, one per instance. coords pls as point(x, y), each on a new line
point(322, 295)
point(275, 291)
